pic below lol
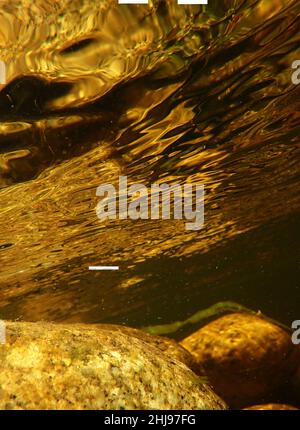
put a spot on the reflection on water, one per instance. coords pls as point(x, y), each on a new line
point(160, 93)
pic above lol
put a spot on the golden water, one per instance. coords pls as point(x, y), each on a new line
point(160, 93)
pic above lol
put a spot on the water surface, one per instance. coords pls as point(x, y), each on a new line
point(160, 93)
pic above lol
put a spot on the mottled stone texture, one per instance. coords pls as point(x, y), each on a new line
point(169, 346)
point(271, 407)
point(244, 357)
point(53, 366)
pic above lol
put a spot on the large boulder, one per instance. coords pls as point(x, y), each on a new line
point(244, 357)
point(169, 346)
point(62, 366)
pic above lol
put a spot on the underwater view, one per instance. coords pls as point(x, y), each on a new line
point(158, 93)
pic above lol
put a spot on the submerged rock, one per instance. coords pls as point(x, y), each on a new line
point(244, 357)
point(271, 407)
point(61, 366)
point(169, 346)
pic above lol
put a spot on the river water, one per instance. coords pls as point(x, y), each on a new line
point(160, 93)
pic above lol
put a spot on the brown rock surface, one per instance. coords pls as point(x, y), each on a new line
point(244, 356)
point(271, 407)
point(61, 366)
point(169, 346)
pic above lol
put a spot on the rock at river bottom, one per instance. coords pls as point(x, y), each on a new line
point(243, 356)
point(61, 366)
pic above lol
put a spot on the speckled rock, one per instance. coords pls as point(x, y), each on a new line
point(271, 407)
point(244, 357)
point(53, 366)
point(169, 346)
